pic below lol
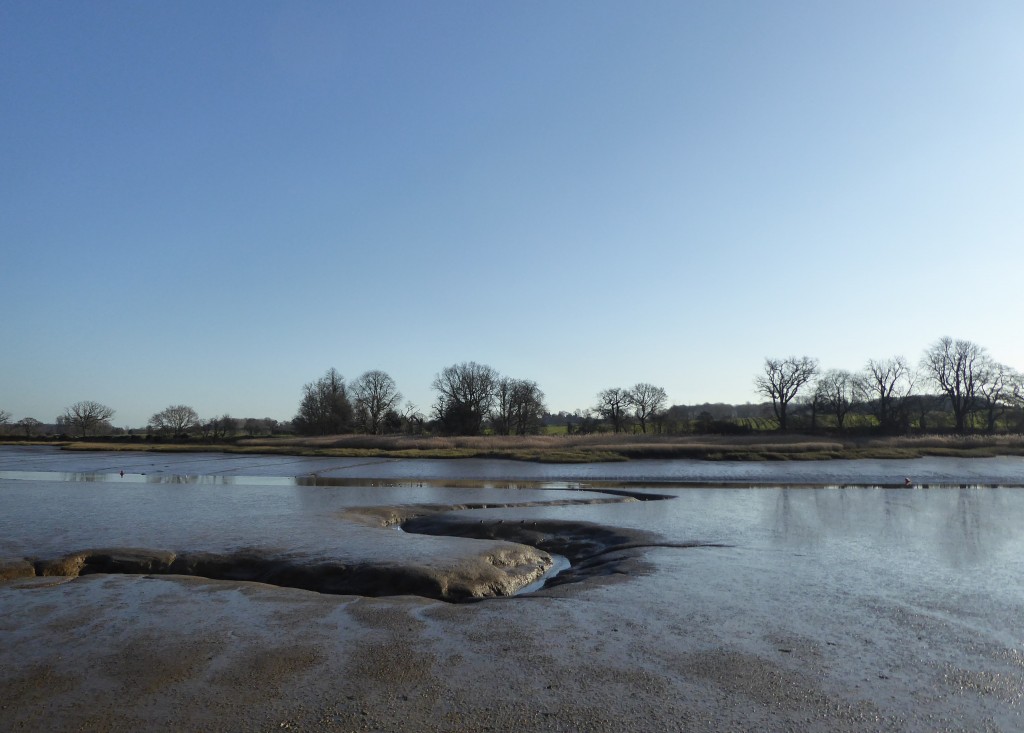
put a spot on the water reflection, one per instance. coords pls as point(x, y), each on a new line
point(893, 527)
point(965, 527)
point(305, 480)
point(313, 479)
point(980, 525)
point(133, 478)
point(790, 522)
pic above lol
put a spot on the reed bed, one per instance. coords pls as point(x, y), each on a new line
point(595, 441)
point(601, 447)
point(568, 448)
point(954, 441)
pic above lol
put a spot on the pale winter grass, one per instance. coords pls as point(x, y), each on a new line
point(414, 442)
point(956, 442)
point(606, 447)
point(622, 446)
point(597, 442)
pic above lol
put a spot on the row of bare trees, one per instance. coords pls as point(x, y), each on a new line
point(470, 397)
point(182, 420)
point(961, 372)
point(28, 424)
point(643, 402)
point(84, 418)
point(329, 405)
point(87, 417)
point(954, 374)
point(90, 418)
point(470, 394)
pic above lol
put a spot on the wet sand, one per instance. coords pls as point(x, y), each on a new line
point(661, 636)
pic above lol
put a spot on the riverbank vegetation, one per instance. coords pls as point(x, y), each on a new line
point(594, 448)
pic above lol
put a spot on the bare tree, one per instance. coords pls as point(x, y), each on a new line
point(1016, 398)
point(528, 408)
point(996, 392)
point(612, 405)
point(836, 395)
point(224, 426)
point(501, 410)
point(5, 418)
point(782, 381)
point(175, 420)
point(324, 408)
point(885, 386)
point(30, 425)
point(465, 396)
point(374, 395)
point(254, 426)
point(412, 418)
point(646, 401)
point(518, 407)
point(958, 368)
point(87, 416)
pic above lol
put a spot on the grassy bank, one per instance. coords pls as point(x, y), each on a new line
point(598, 448)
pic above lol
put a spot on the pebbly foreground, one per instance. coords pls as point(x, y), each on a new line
point(715, 609)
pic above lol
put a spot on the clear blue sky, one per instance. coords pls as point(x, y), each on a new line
point(213, 203)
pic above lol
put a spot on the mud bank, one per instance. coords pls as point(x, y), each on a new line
point(520, 554)
point(593, 550)
point(510, 555)
point(500, 572)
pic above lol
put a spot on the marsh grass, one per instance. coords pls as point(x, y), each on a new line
point(600, 447)
point(618, 447)
point(965, 446)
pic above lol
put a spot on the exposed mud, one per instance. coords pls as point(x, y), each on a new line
point(835, 610)
point(519, 555)
point(521, 558)
point(592, 550)
point(500, 572)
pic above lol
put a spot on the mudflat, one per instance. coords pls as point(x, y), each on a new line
point(132, 653)
point(771, 608)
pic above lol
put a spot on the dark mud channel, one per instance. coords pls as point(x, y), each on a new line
point(527, 555)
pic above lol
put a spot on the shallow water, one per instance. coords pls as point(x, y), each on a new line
point(47, 518)
point(920, 545)
point(1005, 470)
point(55, 501)
point(907, 599)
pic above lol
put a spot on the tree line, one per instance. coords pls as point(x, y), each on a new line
point(955, 378)
point(89, 418)
point(471, 398)
point(954, 375)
